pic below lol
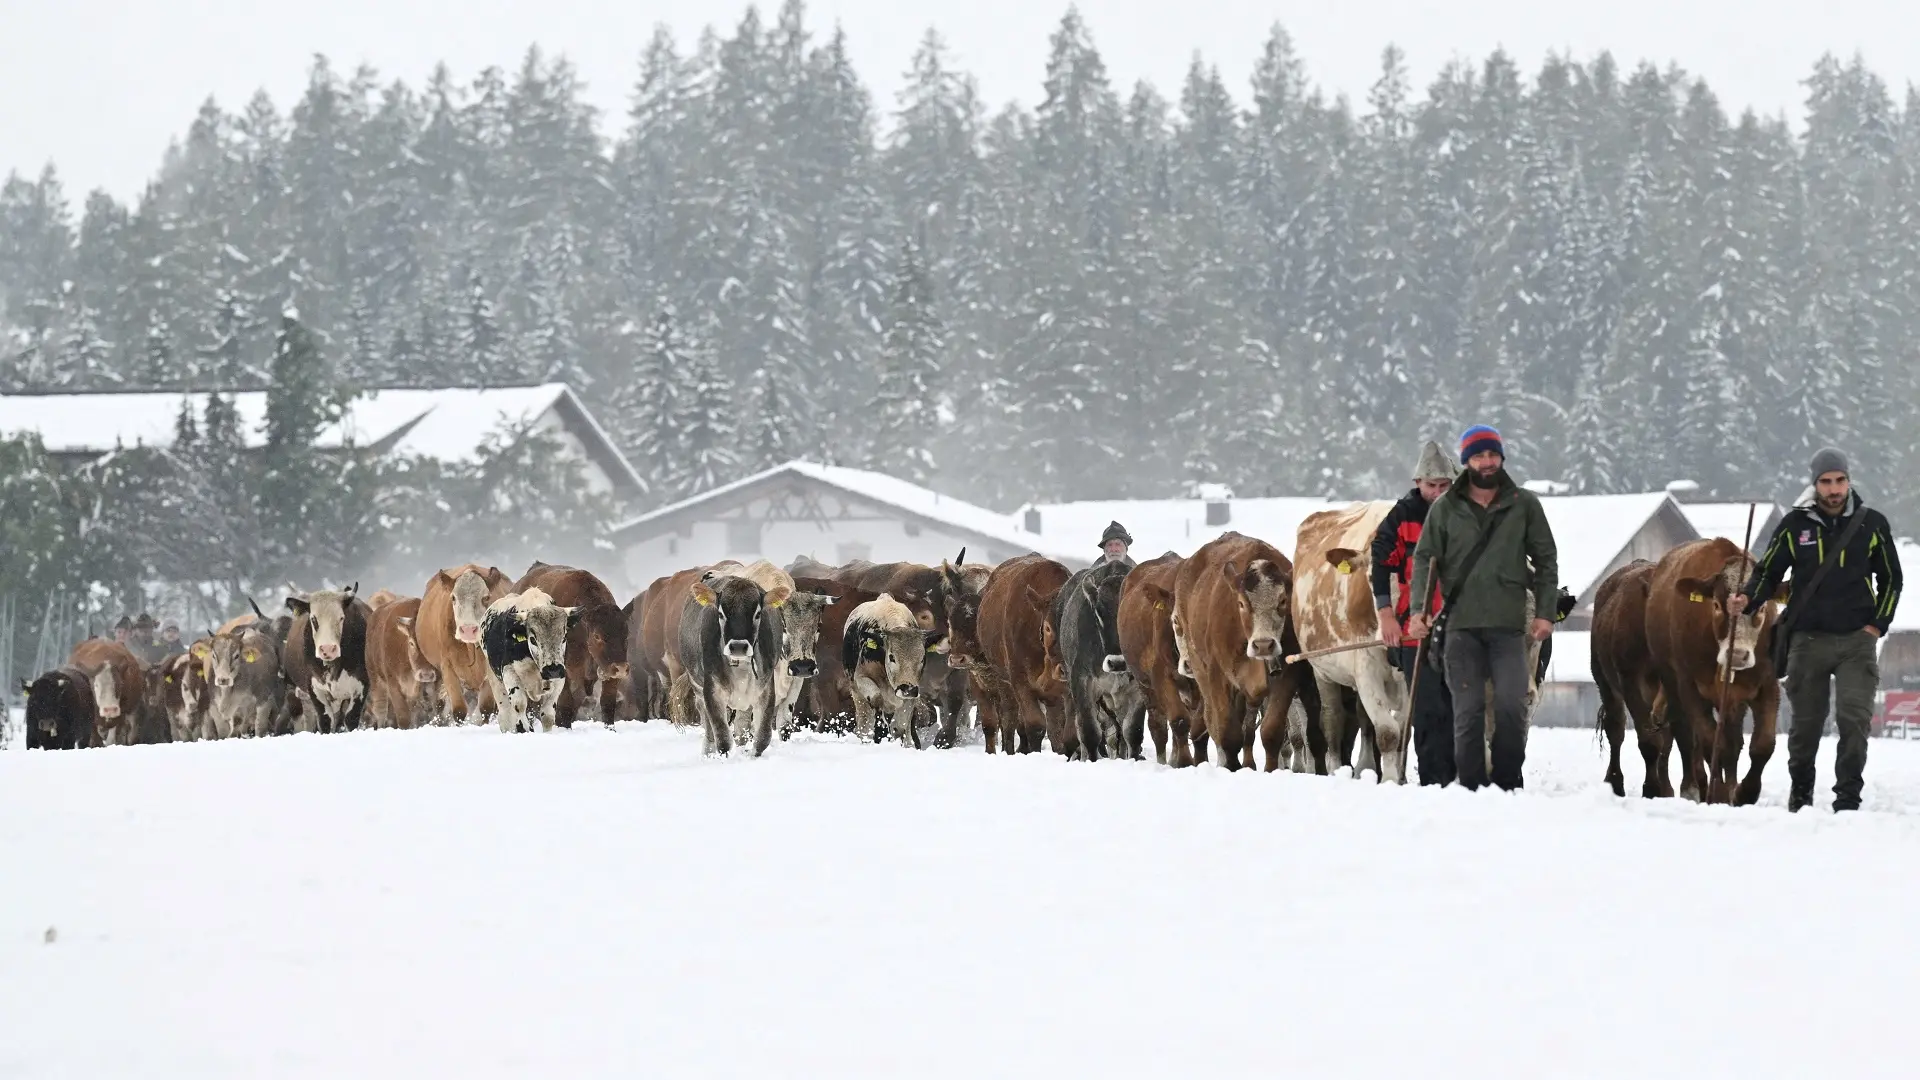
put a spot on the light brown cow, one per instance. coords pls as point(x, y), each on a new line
point(382, 597)
point(1146, 640)
point(1686, 636)
point(447, 631)
point(403, 689)
point(1231, 614)
point(119, 686)
point(1012, 663)
point(1623, 673)
point(1333, 606)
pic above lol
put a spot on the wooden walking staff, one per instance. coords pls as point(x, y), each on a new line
point(1726, 649)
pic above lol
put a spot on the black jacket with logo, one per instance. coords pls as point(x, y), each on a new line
point(1862, 589)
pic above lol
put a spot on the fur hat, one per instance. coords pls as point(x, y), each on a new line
point(1116, 531)
point(1826, 461)
point(1433, 464)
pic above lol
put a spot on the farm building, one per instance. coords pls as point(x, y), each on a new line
point(829, 513)
point(451, 424)
point(1729, 519)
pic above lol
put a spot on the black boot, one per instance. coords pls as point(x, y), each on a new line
point(1799, 799)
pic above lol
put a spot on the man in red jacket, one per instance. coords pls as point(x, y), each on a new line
point(1393, 544)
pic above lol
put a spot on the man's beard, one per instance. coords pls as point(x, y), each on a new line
point(1484, 480)
point(1833, 503)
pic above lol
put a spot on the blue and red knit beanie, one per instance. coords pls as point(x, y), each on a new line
point(1480, 437)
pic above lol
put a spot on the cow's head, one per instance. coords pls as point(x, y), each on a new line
point(800, 631)
point(44, 707)
point(326, 612)
point(469, 606)
point(901, 653)
point(1263, 595)
point(741, 606)
point(423, 672)
point(543, 630)
point(106, 694)
point(1712, 592)
point(962, 586)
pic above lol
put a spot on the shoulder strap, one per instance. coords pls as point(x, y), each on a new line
point(1846, 537)
point(1473, 556)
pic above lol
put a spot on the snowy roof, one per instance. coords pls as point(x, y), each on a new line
point(448, 424)
point(1730, 520)
point(1572, 659)
point(903, 496)
point(1162, 525)
point(1592, 532)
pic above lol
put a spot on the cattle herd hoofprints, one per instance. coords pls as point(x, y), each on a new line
point(1237, 644)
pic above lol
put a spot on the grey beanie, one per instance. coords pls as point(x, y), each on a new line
point(1829, 460)
point(1434, 465)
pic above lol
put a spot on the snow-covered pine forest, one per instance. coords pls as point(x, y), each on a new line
point(1122, 291)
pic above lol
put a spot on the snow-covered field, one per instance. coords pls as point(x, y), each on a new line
point(460, 903)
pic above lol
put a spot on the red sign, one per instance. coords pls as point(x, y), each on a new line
point(1900, 707)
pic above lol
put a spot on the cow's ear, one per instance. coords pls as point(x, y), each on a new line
point(778, 595)
point(574, 615)
point(908, 596)
point(404, 622)
point(352, 590)
point(1231, 571)
point(25, 686)
point(1162, 599)
point(1782, 592)
point(1343, 559)
point(703, 593)
point(297, 605)
point(1697, 590)
point(937, 641)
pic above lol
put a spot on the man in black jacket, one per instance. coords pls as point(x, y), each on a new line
point(1836, 631)
point(1393, 544)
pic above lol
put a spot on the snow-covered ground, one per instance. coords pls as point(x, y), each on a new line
point(459, 903)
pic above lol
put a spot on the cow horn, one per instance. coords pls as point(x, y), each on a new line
point(963, 556)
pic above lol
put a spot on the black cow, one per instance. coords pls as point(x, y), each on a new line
point(325, 660)
point(729, 644)
point(524, 637)
point(60, 710)
point(1103, 699)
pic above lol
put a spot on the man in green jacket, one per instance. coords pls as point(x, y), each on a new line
point(1487, 625)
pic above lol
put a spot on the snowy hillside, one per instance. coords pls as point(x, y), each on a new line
point(458, 903)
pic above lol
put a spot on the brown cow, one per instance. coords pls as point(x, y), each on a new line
point(596, 661)
point(181, 702)
point(1231, 605)
point(402, 689)
point(660, 631)
point(1624, 675)
point(1012, 664)
point(447, 631)
point(1146, 640)
point(119, 686)
point(1687, 638)
point(382, 597)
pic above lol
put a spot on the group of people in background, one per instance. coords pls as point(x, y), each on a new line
point(136, 633)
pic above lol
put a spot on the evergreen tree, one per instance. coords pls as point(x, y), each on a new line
point(910, 372)
point(302, 399)
point(705, 455)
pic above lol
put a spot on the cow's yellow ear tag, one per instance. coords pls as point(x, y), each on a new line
point(252, 656)
point(1698, 598)
point(1345, 567)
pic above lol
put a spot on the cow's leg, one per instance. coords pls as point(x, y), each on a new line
point(1334, 723)
point(1383, 695)
point(1133, 729)
point(456, 694)
point(1082, 714)
point(1766, 720)
point(1611, 718)
point(1656, 741)
point(1226, 722)
point(1692, 726)
point(1727, 743)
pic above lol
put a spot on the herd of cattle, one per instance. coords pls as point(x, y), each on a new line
point(1196, 650)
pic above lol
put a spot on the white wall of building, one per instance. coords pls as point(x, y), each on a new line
point(597, 480)
point(876, 538)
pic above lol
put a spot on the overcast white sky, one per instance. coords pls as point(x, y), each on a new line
point(100, 86)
